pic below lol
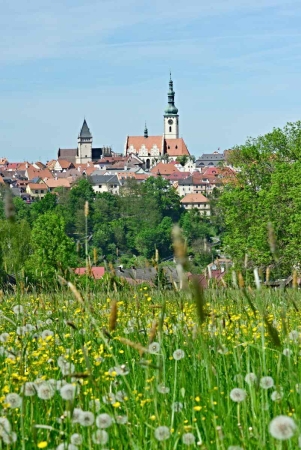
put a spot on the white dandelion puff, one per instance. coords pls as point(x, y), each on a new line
point(162, 433)
point(45, 391)
point(188, 439)
point(238, 395)
point(121, 370)
point(103, 420)
point(163, 389)
point(76, 439)
point(5, 426)
point(13, 400)
point(9, 438)
point(86, 418)
point(287, 352)
point(294, 335)
point(235, 447)
point(28, 389)
point(100, 437)
point(46, 333)
point(68, 391)
point(76, 415)
point(121, 420)
point(282, 428)
point(266, 382)
point(154, 348)
point(178, 354)
point(66, 446)
point(276, 396)
point(4, 337)
point(251, 378)
point(18, 309)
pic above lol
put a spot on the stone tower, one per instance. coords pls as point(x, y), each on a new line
point(84, 147)
point(171, 117)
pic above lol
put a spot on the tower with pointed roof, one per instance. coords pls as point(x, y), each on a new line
point(171, 117)
point(84, 145)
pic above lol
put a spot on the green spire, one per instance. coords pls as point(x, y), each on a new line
point(145, 131)
point(171, 108)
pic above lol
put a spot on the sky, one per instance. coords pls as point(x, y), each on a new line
point(236, 66)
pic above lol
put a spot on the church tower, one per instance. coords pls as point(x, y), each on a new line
point(84, 147)
point(171, 117)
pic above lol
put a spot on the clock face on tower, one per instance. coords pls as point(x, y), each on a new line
point(170, 121)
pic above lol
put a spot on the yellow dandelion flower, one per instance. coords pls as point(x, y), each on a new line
point(42, 444)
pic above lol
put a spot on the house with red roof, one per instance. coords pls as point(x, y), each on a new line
point(198, 201)
point(94, 272)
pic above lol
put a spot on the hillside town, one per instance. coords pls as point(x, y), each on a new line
point(144, 156)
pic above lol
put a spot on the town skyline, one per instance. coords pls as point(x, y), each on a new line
point(235, 66)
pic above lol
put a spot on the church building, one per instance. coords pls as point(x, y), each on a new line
point(84, 152)
point(152, 149)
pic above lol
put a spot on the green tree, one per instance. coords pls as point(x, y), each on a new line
point(53, 250)
point(267, 190)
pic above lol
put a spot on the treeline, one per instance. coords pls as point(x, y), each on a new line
point(47, 237)
point(261, 211)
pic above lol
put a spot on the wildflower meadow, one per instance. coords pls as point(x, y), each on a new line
point(143, 370)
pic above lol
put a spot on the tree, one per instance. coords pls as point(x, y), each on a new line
point(183, 159)
point(53, 250)
point(267, 190)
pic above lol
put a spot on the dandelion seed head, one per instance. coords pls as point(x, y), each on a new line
point(100, 437)
point(251, 378)
point(238, 395)
point(13, 400)
point(28, 389)
point(9, 438)
point(276, 396)
point(188, 439)
point(154, 348)
point(282, 427)
point(76, 439)
point(178, 354)
point(45, 391)
point(68, 391)
point(86, 418)
point(266, 382)
point(163, 389)
point(103, 420)
point(121, 420)
point(162, 433)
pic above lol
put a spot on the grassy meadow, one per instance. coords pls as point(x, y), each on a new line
point(141, 371)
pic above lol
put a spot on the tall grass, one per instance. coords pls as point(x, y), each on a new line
point(149, 360)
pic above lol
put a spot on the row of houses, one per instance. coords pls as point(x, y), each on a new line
point(32, 181)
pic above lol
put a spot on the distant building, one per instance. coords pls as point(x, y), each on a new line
point(84, 152)
point(209, 160)
point(169, 145)
point(198, 201)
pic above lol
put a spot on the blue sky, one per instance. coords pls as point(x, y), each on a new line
point(236, 66)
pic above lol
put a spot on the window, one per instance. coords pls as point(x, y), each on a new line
point(100, 186)
point(170, 129)
point(176, 146)
point(36, 191)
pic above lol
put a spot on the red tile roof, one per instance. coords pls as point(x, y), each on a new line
point(97, 272)
point(176, 147)
point(194, 198)
point(149, 142)
point(164, 169)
